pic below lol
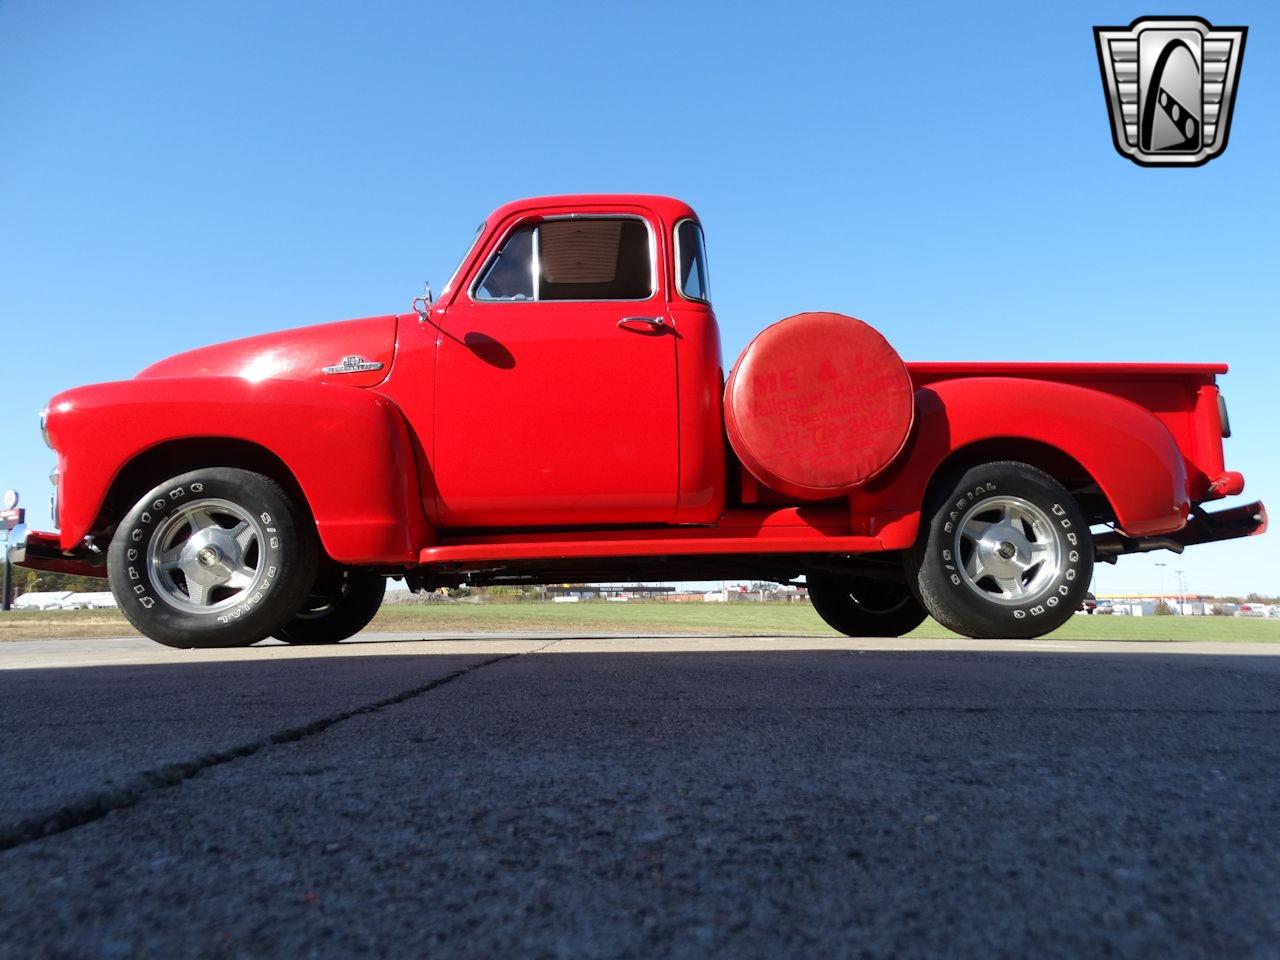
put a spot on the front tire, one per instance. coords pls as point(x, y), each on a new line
point(217, 557)
point(1004, 553)
point(340, 605)
point(864, 607)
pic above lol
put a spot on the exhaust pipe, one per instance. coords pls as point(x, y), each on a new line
point(1245, 521)
point(1111, 545)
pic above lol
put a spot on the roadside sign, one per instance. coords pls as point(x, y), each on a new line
point(10, 499)
point(12, 517)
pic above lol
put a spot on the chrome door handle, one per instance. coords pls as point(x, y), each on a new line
point(642, 324)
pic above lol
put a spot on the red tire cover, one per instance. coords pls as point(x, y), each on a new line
point(818, 404)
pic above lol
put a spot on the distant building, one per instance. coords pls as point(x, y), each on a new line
point(609, 591)
point(50, 600)
point(65, 600)
point(1187, 605)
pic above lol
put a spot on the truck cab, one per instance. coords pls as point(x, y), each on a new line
point(571, 371)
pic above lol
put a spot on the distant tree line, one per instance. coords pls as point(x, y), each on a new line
point(42, 581)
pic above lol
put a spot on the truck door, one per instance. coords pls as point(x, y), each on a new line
point(556, 381)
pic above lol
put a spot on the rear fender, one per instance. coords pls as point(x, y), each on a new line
point(1127, 451)
point(348, 450)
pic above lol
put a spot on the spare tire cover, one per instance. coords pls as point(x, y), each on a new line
point(818, 404)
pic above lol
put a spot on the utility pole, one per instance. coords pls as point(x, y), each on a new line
point(7, 592)
point(11, 516)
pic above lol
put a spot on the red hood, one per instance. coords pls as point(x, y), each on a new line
point(301, 354)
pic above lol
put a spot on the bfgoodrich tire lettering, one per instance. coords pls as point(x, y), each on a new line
point(217, 557)
point(1004, 552)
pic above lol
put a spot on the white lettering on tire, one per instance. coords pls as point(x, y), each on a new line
point(1073, 556)
point(964, 501)
point(142, 587)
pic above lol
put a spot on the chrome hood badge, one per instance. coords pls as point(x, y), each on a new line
point(353, 364)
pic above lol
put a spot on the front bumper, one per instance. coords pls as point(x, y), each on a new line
point(43, 551)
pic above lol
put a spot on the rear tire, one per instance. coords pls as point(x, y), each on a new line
point(865, 607)
point(217, 557)
point(1004, 553)
point(340, 605)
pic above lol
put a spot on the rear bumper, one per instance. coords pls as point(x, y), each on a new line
point(1245, 521)
point(43, 551)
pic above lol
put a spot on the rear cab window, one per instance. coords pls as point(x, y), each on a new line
point(691, 262)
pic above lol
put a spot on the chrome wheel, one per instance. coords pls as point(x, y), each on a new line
point(207, 556)
point(1008, 550)
point(1005, 551)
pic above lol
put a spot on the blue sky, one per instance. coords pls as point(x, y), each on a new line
point(178, 174)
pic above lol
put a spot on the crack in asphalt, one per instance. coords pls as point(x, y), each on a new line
point(149, 782)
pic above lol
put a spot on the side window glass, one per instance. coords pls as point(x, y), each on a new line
point(594, 258)
point(510, 275)
point(692, 261)
point(583, 258)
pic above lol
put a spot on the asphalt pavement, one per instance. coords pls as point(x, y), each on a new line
point(642, 797)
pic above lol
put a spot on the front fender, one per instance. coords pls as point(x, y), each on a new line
point(348, 449)
point(1123, 446)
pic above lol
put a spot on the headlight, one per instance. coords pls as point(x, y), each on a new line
point(44, 427)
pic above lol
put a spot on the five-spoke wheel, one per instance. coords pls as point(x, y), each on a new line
point(206, 556)
point(1007, 549)
point(217, 557)
point(1004, 551)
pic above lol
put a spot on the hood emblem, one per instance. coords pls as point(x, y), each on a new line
point(353, 364)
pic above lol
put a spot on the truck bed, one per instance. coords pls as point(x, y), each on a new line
point(1183, 396)
point(927, 371)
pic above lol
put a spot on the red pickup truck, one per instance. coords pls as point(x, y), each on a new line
point(561, 413)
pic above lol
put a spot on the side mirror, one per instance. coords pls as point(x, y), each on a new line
point(422, 304)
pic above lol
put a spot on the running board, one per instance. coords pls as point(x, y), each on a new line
point(740, 531)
